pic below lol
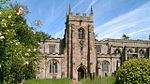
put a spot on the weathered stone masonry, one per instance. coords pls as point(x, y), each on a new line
point(79, 55)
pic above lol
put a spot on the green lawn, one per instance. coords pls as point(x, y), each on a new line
point(105, 80)
point(48, 81)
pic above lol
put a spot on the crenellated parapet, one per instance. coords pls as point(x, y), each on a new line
point(130, 41)
point(78, 17)
point(124, 49)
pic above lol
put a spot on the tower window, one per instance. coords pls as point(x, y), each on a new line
point(81, 46)
point(81, 50)
point(81, 34)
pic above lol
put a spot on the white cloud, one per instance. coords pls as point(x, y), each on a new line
point(133, 33)
point(131, 21)
point(91, 4)
point(59, 34)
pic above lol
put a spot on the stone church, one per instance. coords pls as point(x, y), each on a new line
point(79, 54)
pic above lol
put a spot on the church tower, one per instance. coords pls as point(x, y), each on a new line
point(79, 45)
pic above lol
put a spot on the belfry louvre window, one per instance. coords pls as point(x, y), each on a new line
point(81, 33)
point(51, 48)
point(53, 66)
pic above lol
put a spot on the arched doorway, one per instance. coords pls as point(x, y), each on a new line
point(81, 73)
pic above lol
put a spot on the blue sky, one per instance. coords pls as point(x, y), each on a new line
point(112, 18)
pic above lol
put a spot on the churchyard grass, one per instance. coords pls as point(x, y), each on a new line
point(104, 80)
point(48, 81)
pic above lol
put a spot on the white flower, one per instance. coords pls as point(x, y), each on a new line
point(16, 43)
point(33, 31)
point(34, 49)
point(2, 37)
point(3, 23)
point(26, 54)
point(12, 24)
point(9, 16)
point(29, 50)
point(39, 43)
point(0, 13)
point(26, 63)
point(3, 20)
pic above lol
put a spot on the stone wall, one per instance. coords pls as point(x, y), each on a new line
point(116, 51)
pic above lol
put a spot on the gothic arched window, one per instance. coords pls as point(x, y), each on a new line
point(141, 52)
point(117, 51)
point(130, 51)
point(105, 66)
point(53, 66)
point(81, 33)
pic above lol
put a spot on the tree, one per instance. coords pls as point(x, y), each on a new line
point(19, 52)
point(41, 36)
point(134, 71)
point(124, 36)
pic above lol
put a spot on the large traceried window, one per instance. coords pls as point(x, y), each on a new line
point(53, 66)
point(105, 66)
point(51, 48)
point(131, 54)
point(81, 33)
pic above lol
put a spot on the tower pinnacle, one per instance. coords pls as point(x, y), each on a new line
point(69, 11)
point(91, 11)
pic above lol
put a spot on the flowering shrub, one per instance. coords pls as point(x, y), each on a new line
point(19, 52)
point(134, 71)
